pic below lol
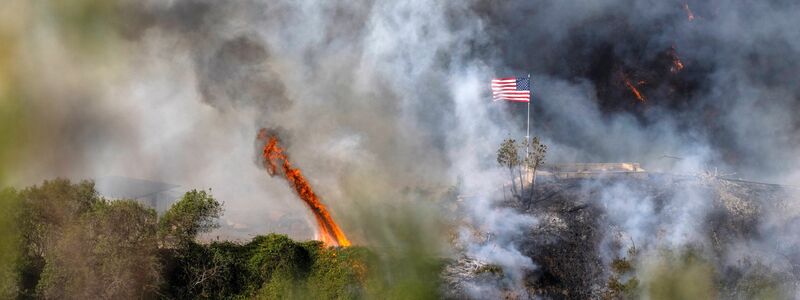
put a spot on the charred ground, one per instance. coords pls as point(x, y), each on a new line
point(584, 250)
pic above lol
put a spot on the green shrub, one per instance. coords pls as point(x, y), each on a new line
point(339, 273)
point(622, 283)
point(195, 213)
point(11, 260)
point(74, 244)
point(214, 271)
point(680, 275)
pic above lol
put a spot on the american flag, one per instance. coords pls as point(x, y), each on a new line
point(516, 89)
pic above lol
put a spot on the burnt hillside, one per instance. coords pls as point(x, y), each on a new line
point(588, 228)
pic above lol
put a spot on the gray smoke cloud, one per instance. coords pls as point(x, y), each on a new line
point(386, 103)
point(730, 109)
point(731, 103)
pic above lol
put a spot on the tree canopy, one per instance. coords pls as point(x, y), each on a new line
point(522, 160)
point(70, 243)
point(197, 212)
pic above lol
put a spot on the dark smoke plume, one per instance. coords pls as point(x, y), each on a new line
point(387, 102)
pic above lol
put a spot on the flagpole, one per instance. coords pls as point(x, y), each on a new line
point(528, 130)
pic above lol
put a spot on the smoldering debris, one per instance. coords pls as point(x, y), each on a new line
point(586, 226)
point(382, 97)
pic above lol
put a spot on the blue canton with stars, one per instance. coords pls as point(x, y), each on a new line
point(523, 84)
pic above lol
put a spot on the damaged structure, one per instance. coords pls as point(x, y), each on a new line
point(587, 170)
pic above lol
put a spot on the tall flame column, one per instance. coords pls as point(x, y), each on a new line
point(274, 157)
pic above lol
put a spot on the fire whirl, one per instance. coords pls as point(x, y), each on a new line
point(275, 158)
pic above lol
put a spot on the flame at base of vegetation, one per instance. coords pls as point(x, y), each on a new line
point(329, 233)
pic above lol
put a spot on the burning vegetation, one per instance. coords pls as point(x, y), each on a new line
point(726, 99)
point(584, 229)
point(274, 157)
point(677, 64)
point(635, 91)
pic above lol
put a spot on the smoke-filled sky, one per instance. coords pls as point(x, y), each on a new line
point(389, 80)
point(381, 101)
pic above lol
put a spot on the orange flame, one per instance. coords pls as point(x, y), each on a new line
point(633, 88)
point(329, 232)
point(677, 64)
point(689, 14)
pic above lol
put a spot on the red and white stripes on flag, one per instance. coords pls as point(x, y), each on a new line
point(516, 89)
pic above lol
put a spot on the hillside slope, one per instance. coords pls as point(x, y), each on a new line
point(618, 237)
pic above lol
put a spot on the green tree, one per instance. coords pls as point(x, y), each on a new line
point(45, 212)
point(534, 158)
point(522, 160)
point(281, 264)
point(508, 157)
point(214, 271)
point(76, 245)
point(10, 244)
point(111, 252)
point(197, 212)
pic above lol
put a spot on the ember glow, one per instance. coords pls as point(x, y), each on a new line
point(274, 157)
point(633, 88)
point(677, 64)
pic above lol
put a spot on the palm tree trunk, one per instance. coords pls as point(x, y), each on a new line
point(513, 183)
point(521, 184)
point(531, 187)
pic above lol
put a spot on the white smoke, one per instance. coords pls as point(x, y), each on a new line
point(380, 98)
